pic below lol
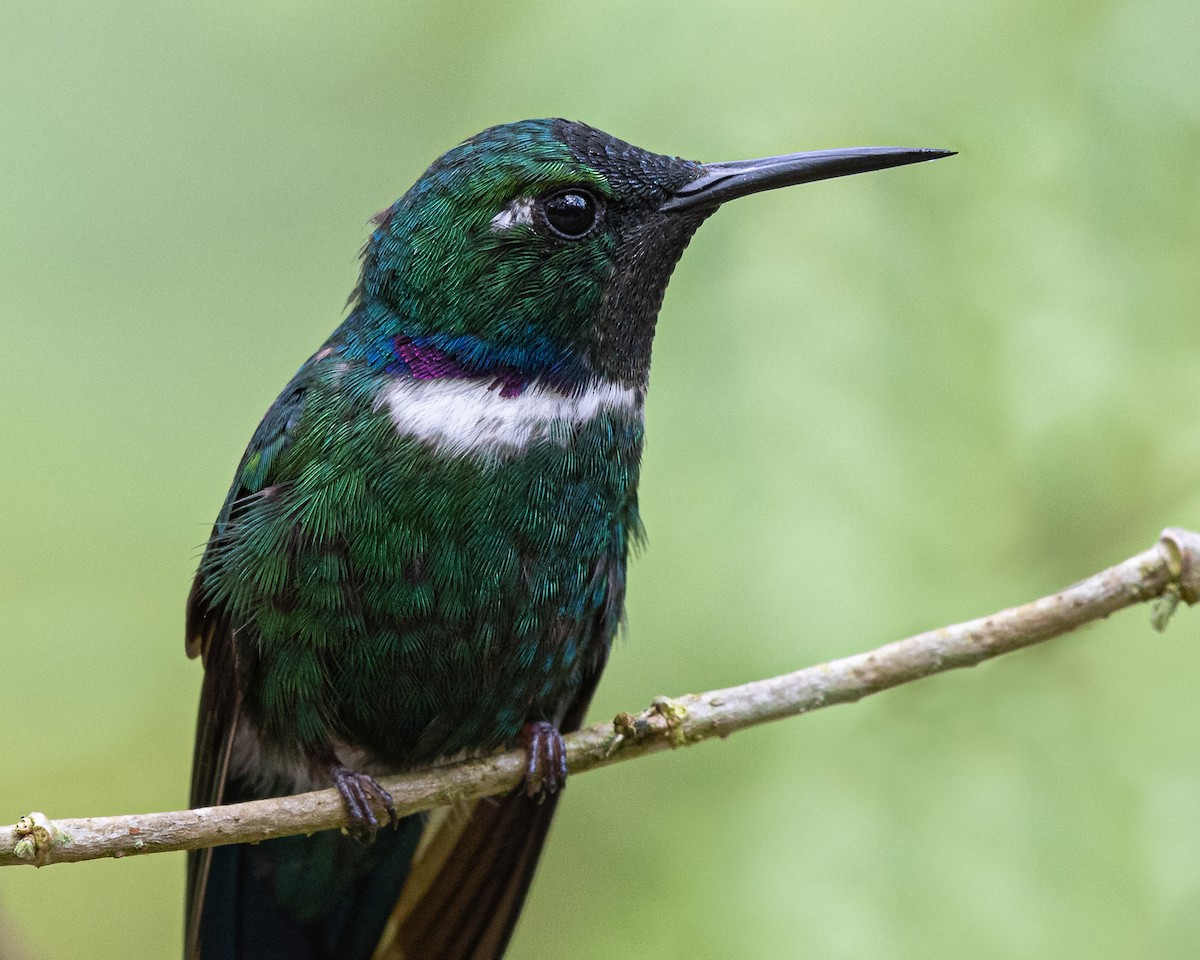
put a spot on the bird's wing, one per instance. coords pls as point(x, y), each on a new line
point(471, 872)
point(210, 633)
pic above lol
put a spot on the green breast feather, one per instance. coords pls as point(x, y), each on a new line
point(393, 596)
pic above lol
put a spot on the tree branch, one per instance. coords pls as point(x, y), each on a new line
point(1169, 571)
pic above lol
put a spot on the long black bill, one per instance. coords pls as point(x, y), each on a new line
point(726, 181)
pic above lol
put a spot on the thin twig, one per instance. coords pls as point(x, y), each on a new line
point(1169, 571)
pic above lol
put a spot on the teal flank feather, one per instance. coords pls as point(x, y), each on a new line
point(423, 552)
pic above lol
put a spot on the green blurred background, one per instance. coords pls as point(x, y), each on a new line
point(879, 405)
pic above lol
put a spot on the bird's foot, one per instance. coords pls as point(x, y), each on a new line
point(546, 759)
point(361, 793)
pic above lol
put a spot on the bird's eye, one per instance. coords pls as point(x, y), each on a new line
point(570, 214)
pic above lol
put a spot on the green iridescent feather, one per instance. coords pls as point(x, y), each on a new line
point(419, 603)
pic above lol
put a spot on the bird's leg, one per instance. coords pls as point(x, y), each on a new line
point(546, 759)
point(362, 794)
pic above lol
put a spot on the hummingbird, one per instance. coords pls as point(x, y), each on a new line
point(423, 553)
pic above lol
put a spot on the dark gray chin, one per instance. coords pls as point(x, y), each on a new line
point(646, 256)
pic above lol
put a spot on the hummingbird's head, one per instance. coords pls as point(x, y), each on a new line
point(546, 245)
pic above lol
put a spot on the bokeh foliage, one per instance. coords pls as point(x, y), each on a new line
point(879, 404)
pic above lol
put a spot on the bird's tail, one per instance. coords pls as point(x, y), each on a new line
point(468, 881)
point(319, 897)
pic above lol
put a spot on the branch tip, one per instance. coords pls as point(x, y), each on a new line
point(1183, 552)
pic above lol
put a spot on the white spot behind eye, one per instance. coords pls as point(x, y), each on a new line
point(519, 210)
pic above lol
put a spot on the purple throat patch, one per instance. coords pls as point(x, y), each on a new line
point(427, 362)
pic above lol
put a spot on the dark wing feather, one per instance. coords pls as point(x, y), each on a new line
point(210, 636)
point(216, 725)
point(470, 876)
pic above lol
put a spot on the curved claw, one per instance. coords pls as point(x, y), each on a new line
point(546, 759)
point(361, 793)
